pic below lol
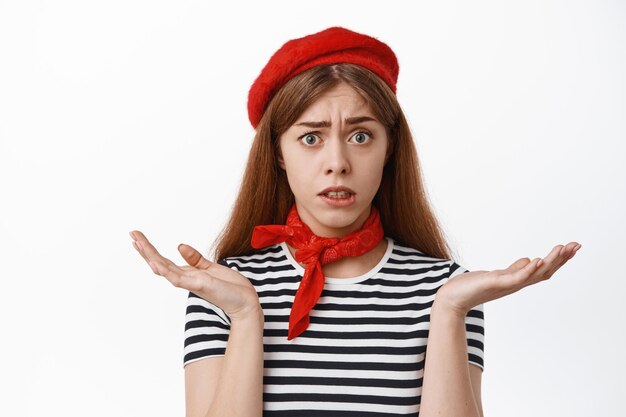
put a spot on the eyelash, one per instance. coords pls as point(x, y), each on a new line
point(316, 132)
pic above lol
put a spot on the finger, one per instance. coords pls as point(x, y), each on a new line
point(515, 266)
point(566, 254)
point(193, 257)
point(555, 260)
point(137, 247)
point(575, 251)
point(197, 281)
point(514, 280)
point(548, 262)
point(135, 235)
point(520, 278)
point(171, 272)
point(147, 250)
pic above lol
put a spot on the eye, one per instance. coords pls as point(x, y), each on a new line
point(361, 137)
point(309, 139)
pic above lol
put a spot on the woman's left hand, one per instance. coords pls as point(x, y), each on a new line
point(465, 291)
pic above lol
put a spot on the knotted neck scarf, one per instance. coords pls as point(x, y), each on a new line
point(314, 251)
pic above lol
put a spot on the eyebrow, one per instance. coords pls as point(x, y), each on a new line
point(326, 123)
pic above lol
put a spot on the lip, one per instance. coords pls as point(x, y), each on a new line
point(339, 202)
point(336, 188)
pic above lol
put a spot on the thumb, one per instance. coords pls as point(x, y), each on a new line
point(193, 257)
point(517, 265)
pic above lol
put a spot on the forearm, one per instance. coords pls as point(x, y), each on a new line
point(240, 389)
point(446, 388)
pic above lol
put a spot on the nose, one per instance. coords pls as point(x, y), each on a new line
point(336, 159)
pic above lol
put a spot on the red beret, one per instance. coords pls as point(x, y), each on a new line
point(330, 46)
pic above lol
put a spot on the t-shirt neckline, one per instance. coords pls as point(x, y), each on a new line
point(343, 281)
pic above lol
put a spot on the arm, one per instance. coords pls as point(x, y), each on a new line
point(232, 385)
point(447, 389)
point(476, 375)
point(229, 385)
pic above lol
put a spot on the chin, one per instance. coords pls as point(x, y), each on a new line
point(340, 218)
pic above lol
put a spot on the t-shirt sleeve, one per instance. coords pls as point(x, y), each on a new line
point(474, 326)
point(206, 328)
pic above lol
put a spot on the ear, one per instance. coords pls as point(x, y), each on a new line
point(279, 159)
point(386, 158)
point(389, 152)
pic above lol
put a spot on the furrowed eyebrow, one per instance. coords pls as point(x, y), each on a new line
point(326, 123)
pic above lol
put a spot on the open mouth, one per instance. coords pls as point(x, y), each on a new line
point(338, 194)
point(338, 199)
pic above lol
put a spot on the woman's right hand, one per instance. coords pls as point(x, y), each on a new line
point(218, 284)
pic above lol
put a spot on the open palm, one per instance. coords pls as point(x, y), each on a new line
point(218, 284)
point(465, 291)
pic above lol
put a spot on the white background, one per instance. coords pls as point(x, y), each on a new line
point(123, 115)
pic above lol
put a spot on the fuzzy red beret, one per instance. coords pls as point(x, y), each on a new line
point(330, 46)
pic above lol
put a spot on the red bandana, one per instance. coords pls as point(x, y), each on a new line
point(315, 251)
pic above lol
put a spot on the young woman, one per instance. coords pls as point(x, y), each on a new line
point(334, 293)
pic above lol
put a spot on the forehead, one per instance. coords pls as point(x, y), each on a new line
point(341, 99)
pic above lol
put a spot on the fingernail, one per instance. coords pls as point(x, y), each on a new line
point(577, 247)
point(540, 262)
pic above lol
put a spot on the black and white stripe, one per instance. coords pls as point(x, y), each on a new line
point(363, 352)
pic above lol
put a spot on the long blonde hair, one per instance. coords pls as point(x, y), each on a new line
point(265, 197)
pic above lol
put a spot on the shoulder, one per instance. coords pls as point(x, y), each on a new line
point(409, 255)
point(260, 258)
point(265, 266)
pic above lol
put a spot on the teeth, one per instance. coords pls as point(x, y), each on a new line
point(335, 194)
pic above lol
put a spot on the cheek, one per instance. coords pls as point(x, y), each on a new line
point(373, 175)
point(290, 156)
point(297, 178)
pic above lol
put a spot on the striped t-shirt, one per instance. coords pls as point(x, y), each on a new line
point(364, 350)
